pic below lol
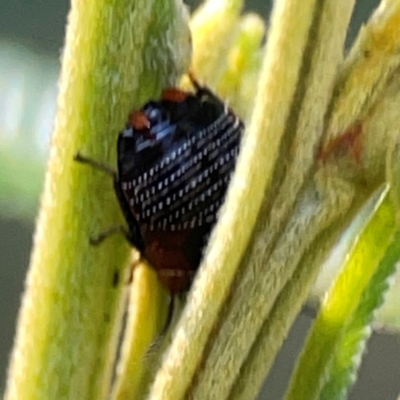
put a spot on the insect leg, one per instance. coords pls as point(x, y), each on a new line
point(95, 164)
point(95, 241)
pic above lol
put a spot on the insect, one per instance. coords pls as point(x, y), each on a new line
point(176, 156)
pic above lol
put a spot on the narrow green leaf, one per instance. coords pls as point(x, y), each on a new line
point(342, 303)
point(348, 357)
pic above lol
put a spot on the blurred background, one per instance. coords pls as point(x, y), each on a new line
point(31, 42)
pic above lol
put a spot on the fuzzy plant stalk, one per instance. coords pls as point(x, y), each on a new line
point(116, 56)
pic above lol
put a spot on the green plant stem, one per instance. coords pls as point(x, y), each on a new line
point(69, 320)
point(286, 307)
point(146, 317)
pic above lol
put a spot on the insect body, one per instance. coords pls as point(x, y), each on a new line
point(175, 160)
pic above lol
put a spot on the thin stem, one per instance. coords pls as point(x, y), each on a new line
point(70, 317)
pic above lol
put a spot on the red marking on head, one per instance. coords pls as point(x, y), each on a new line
point(174, 94)
point(139, 120)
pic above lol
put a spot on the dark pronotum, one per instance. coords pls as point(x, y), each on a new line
point(176, 156)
